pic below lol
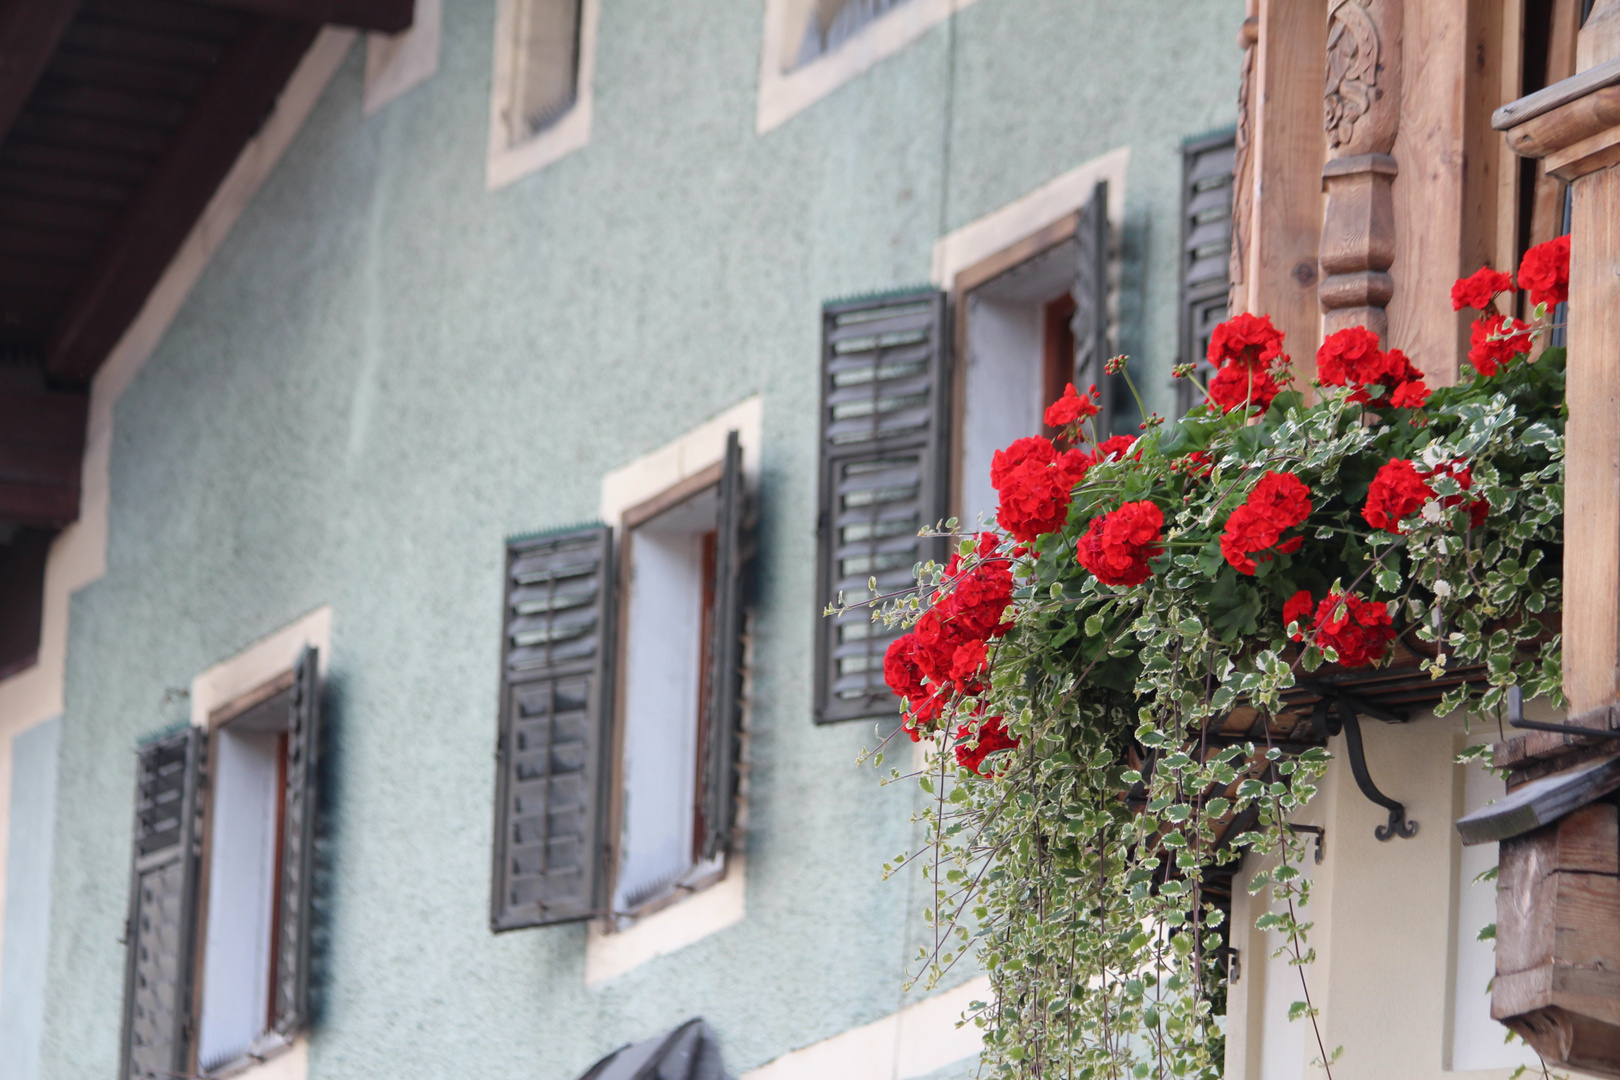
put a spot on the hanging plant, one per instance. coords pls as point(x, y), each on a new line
point(1070, 667)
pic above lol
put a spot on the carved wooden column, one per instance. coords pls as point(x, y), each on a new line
point(1237, 297)
point(1363, 106)
point(1558, 918)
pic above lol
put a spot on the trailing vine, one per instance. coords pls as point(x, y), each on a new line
point(1071, 671)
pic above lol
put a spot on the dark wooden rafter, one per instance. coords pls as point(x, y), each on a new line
point(29, 33)
point(41, 442)
point(387, 16)
point(238, 96)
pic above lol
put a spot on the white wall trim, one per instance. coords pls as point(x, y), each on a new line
point(568, 133)
point(708, 911)
point(977, 240)
point(684, 457)
point(784, 93)
point(260, 662)
point(918, 1040)
point(79, 554)
point(397, 63)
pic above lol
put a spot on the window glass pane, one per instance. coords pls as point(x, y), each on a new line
point(546, 65)
point(830, 23)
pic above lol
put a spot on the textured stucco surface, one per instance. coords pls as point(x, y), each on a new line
point(386, 369)
point(31, 827)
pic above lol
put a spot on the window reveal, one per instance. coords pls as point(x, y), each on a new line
point(542, 67)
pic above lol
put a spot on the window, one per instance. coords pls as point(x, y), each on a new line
point(218, 969)
point(541, 107)
point(812, 47)
point(616, 779)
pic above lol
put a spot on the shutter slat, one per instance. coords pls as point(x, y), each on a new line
point(883, 477)
point(722, 729)
point(1206, 244)
point(556, 642)
point(298, 846)
point(161, 932)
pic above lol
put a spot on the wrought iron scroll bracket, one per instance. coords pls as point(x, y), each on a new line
point(1338, 712)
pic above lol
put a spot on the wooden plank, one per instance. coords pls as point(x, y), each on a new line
point(1559, 93)
point(1589, 840)
point(38, 505)
point(29, 33)
point(1289, 147)
point(1525, 891)
point(386, 16)
point(239, 95)
point(1542, 803)
point(1592, 538)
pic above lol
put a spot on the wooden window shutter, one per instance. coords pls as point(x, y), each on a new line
point(722, 726)
point(1206, 249)
point(298, 846)
point(1091, 317)
point(161, 931)
point(884, 476)
point(556, 651)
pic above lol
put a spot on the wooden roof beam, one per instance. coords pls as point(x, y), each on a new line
point(239, 95)
point(41, 448)
point(29, 33)
point(387, 16)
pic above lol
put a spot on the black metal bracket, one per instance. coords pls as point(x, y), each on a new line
point(1515, 703)
point(1336, 712)
point(1320, 834)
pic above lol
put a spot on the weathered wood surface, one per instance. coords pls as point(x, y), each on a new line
point(1542, 803)
point(1559, 93)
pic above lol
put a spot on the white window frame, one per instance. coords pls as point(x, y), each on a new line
point(229, 681)
point(398, 63)
point(614, 947)
point(571, 131)
point(785, 92)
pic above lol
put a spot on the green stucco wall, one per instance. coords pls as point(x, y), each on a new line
point(386, 369)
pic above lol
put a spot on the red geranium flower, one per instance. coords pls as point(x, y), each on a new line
point(1397, 492)
point(1114, 447)
point(1544, 273)
point(1489, 356)
point(1245, 339)
point(1070, 408)
point(1358, 630)
point(1239, 385)
point(991, 737)
point(1278, 502)
point(1035, 483)
point(1478, 509)
point(1297, 609)
point(1479, 289)
point(1117, 546)
point(1348, 357)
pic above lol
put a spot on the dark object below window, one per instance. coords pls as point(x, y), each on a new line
point(22, 594)
point(690, 1052)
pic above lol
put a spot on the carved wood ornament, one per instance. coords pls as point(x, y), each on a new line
point(1243, 170)
point(1361, 114)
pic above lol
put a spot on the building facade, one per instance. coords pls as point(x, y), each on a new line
point(492, 438)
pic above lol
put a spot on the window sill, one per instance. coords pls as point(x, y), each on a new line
point(680, 922)
point(275, 1059)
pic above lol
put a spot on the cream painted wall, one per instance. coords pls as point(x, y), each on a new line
point(1386, 931)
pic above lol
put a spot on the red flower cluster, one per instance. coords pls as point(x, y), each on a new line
point(1244, 349)
point(1351, 357)
point(1119, 545)
point(1278, 503)
point(1114, 447)
point(1297, 609)
point(946, 652)
point(1544, 272)
point(1035, 483)
point(991, 737)
point(1487, 355)
point(1399, 490)
point(1358, 630)
point(1071, 408)
point(1479, 289)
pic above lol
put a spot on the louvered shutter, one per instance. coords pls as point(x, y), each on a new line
point(162, 928)
point(884, 476)
point(722, 727)
point(556, 646)
point(1206, 248)
point(298, 846)
point(1090, 321)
